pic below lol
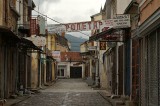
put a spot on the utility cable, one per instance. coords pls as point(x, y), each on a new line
point(52, 19)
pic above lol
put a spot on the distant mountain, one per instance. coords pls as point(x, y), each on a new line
point(75, 41)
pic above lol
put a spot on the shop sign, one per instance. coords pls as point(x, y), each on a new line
point(102, 45)
point(121, 21)
point(56, 55)
point(92, 48)
point(41, 23)
point(79, 26)
point(56, 28)
point(112, 37)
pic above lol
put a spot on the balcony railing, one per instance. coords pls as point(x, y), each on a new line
point(24, 28)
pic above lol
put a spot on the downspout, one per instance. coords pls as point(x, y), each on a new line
point(131, 69)
point(117, 68)
point(97, 67)
point(124, 68)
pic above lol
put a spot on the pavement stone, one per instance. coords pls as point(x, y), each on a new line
point(10, 102)
point(114, 102)
point(66, 92)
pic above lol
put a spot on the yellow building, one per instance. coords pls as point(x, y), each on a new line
point(55, 42)
point(95, 64)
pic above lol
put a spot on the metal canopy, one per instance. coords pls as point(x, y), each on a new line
point(27, 44)
point(8, 33)
point(110, 35)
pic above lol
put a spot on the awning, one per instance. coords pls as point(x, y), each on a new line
point(84, 53)
point(27, 44)
point(6, 32)
point(89, 53)
point(48, 58)
point(110, 35)
point(51, 58)
point(79, 63)
point(24, 28)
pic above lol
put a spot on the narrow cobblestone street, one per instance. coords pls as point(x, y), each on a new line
point(67, 92)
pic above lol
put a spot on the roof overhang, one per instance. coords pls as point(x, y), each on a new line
point(8, 33)
point(133, 5)
point(28, 45)
point(110, 35)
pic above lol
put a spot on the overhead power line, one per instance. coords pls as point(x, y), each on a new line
point(51, 18)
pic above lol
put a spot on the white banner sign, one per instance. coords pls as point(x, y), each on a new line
point(81, 26)
point(56, 28)
point(120, 21)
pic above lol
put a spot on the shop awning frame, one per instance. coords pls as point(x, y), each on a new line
point(109, 32)
point(28, 45)
point(5, 31)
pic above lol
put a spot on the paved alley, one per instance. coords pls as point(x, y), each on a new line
point(66, 92)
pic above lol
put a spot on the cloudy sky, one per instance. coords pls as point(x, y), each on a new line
point(68, 11)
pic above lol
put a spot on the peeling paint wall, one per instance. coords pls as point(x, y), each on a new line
point(53, 71)
point(34, 70)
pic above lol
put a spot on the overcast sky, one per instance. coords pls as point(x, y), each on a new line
point(68, 11)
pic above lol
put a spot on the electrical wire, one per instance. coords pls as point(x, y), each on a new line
point(53, 19)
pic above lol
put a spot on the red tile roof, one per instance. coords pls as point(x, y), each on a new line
point(71, 56)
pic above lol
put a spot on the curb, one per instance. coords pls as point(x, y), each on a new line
point(20, 101)
point(106, 98)
point(15, 102)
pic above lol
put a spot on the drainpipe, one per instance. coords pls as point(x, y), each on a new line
point(117, 68)
point(39, 73)
point(97, 82)
point(124, 60)
point(131, 69)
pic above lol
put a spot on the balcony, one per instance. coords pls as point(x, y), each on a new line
point(24, 28)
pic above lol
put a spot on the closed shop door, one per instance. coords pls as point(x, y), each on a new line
point(75, 72)
point(150, 77)
point(152, 70)
point(120, 69)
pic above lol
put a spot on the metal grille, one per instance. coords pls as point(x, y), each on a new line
point(149, 72)
point(114, 84)
point(127, 68)
point(135, 70)
point(143, 72)
point(158, 37)
point(152, 63)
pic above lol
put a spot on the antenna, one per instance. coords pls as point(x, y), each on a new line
point(38, 6)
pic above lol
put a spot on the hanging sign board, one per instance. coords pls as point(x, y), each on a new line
point(56, 55)
point(121, 21)
point(41, 22)
point(102, 45)
point(79, 26)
